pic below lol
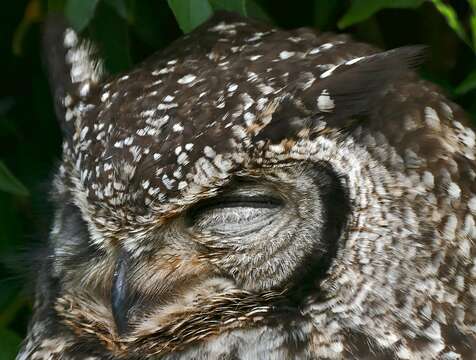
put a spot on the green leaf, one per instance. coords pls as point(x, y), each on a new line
point(111, 34)
point(325, 12)
point(8, 292)
point(190, 13)
point(452, 19)
point(238, 6)
point(121, 8)
point(467, 84)
point(255, 11)
point(9, 344)
point(10, 183)
point(361, 10)
point(11, 229)
point(15, 304)
point(55, 5)
point(80, 12)
point(248, 8)
point(152, 21)
point(472, 22)
point(32, 15)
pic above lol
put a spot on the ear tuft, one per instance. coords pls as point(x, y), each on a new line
point(355, 87)
point(347, 90)
point(74, 69)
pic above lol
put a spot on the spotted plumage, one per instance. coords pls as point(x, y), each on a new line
point(254, 193)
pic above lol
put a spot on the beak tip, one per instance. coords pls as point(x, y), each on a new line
point(119, 294)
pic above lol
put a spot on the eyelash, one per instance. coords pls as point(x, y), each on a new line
point(240, 201)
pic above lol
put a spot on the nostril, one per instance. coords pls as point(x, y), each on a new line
point(119, 295)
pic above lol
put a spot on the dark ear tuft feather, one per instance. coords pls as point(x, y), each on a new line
point(347, 90)
point(54, 55)
point(74, 68)
point(354, 87)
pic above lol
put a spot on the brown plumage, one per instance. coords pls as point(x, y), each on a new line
point(254, 193)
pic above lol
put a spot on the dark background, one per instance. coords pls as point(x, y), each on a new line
point(129, 30)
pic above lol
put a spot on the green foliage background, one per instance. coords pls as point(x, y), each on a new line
point(128, 31)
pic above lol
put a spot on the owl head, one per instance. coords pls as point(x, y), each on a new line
point(256, 193)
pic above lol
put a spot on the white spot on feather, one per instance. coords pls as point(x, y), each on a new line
point(320, 48)
point(249, 118)
point(68, 100)
point(431, 118)
point(145, 184)
point(255, 57)
point(187, 79)
point(472, 205)
point(283, 55)
point(232, 87)
point(354, 60)
point(105, 96)
point(328, 72)
point(449, 230)
point(325, 102)
point(209, 152)
point(454, 190)
point(428, 180)
point(177, 127)
point(182, 185)
point(70, 38)
point(84, 89)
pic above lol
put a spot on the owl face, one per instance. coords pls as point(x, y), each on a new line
point(214, 248)
point(256, 193)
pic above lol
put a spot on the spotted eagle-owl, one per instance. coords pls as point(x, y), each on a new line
point(254, 193)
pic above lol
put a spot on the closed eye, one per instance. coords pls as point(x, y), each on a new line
point(244, 208)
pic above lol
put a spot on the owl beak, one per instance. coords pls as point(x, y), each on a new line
point(119, 298)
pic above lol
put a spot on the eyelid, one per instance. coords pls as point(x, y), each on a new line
point(234, 201)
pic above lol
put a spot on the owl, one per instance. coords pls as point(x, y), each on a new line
point(255, 193)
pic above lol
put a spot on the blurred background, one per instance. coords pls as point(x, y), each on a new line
point(127, 31)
